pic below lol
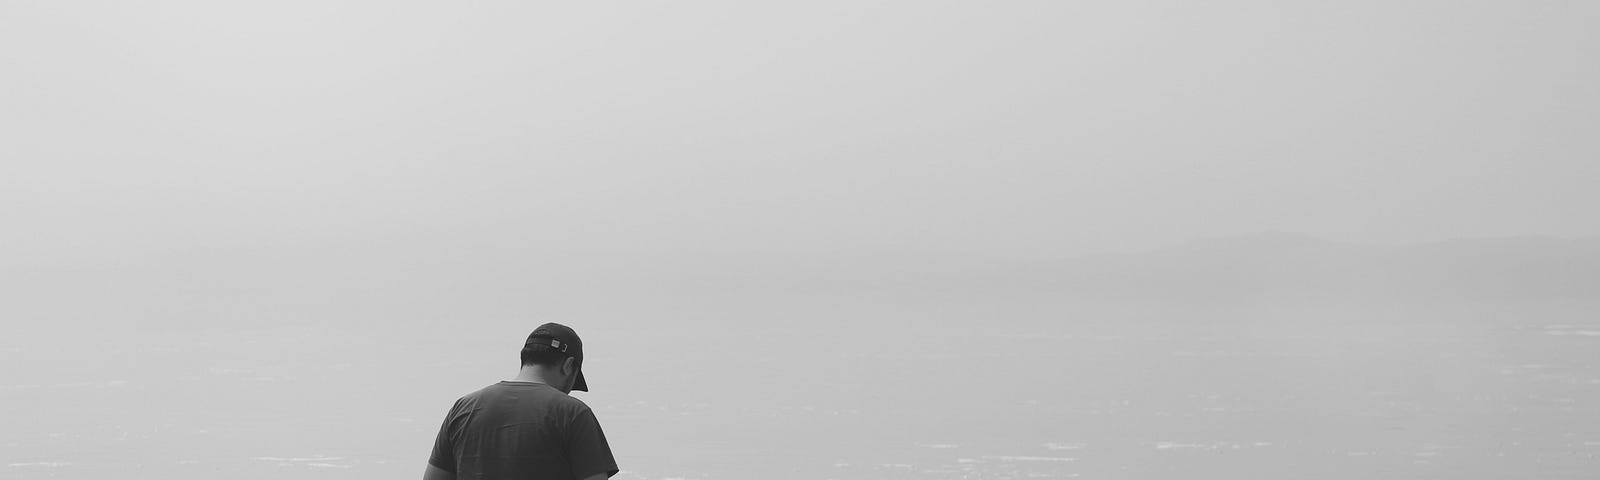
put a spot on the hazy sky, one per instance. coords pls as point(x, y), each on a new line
point(216, 210)
point(1027, 129)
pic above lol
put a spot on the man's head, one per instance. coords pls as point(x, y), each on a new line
point(557, 351)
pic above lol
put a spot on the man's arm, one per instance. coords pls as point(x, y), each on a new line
point(587, 449)
point(443, 453)
point(436, 473)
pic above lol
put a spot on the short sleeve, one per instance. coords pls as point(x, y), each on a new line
point(587, 449)
point(444, 452)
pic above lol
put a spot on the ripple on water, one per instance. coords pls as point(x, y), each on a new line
point(937, 445)
point(39, 464)
point(1029, 458)
point(309, 462)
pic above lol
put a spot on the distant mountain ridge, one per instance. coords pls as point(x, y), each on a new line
point(1293, 267)
point(426, 279)
point(1271, 267)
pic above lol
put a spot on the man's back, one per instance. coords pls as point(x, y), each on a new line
point(522, 430)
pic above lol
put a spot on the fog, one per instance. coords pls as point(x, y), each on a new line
point(1032, 129)
point(830, 240)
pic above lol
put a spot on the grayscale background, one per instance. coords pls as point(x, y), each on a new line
point(806, 240)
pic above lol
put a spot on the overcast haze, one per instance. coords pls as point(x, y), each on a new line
point(1024, 129)
point(854, 240)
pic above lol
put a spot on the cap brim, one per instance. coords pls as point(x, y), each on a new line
point(580, 385)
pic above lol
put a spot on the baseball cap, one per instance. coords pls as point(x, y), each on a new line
point(560, 338)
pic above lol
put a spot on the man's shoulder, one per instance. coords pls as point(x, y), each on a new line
point(574, 403)
point(545, 394)
point(476, 394)
point(570, 406)
point(476, 397)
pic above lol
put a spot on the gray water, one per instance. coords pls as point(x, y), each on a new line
point(1322, 395)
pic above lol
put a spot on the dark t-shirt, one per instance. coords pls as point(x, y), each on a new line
point(519, 430)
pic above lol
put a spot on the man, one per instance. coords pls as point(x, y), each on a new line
point(527, 427)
